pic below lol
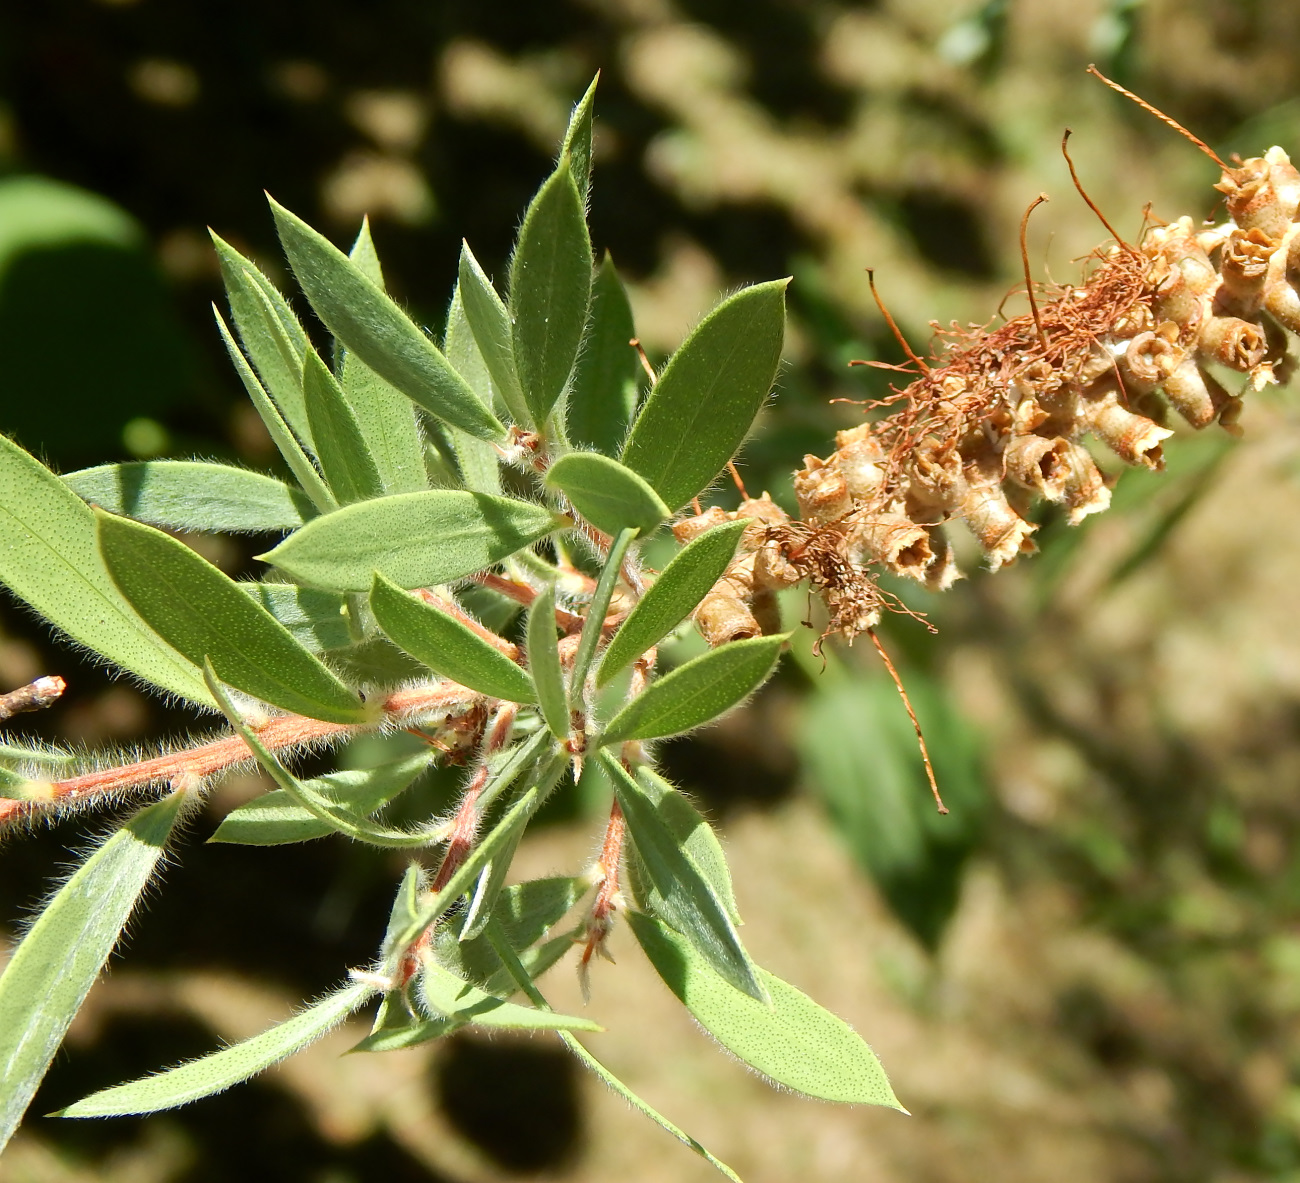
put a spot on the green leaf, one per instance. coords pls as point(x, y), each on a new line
point(451, 998)
point(270, 333)
point(447, 646)
point(607, 376)
point(609, 496)
point(577, 140)
point(544, 663)
point(684, 897)
point(373, 327)
point(60, 956)
point(793, 1041)
point(307, 796)
point(687, 579)
point(300, 464)
point(697, 692)
point(704, 403)
point(413, 539)
point(202, 613)
point(525, 913)
point(588, 1061)
point(597, 609)
point(11, 754)
point(275, 818)
point(490, 325)
point(50, 560)
point(478, 460)
point(550, 290)
point(694, 837)
point(317, 619)
point(386, 416)
point(345, 458)
point(229, 1066)
point(193, 495)
point(364, 255)
point(399, 1029)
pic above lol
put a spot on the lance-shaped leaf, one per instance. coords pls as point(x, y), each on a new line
point(412, 539)
point(49, 558)
point(605, 381)
point(793, 1041)
point(694, 837)
point(307, 795)
point(454, 999)
point(193, 495)
point(60, 956)
point(478, 460)
point(231, 1065)
point(704, 403)
point(318, 620)
point(341, 447)
point(544, 663)
point(697, 692)
point(685, 898)
point(447, 646)
point(609, 496)
point(270, 334)
point(373, 327)
point(386, 416)
point(202, 613)
point(19, 754)
point(489, 322)
point(525, 913)
point(300, 464)
point(550, 290)
point(577, 140)
point(276, 818)
point(525, 983)
point(687, 579)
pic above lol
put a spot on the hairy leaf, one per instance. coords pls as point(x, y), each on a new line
point(550, 290)
point(704, 403)
point(270, 334)
point(697, 692)
point(609, 496)
point(276, 818)
point(317, 619)
point(608, 372)
point(202, 612)
point(300, 464)
point(373, 327)
point(577, 140)
point(478, 460)
point(193, 495)
point(685, 898)
point(489, 322)
point(57, 961)
point(687, 579)
point(344, 455)
point(229, 1066)
point(412, 539)
point(544, 663)
point(793, 1041)
point(447, 646)
point(49, 558)
point(452, 998)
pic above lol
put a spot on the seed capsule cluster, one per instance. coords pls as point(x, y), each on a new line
point(1000, 417)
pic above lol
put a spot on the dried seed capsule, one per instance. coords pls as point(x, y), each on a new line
point(891, 539)
point(1086, 490)
point(1233, 342)
point(822, 491)
point(1131, 437)
point(1147, 360)
point(942, 572)
point(689, 529)
point(862, 461)
point(1039, 463)
point(1001, 531)
point(728, 612)
point(1244, 270)
point(1195, 394)
point(1262, 192)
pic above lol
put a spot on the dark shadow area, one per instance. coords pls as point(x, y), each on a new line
point(516, 1099)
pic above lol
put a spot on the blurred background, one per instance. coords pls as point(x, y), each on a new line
point(1091, 969)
